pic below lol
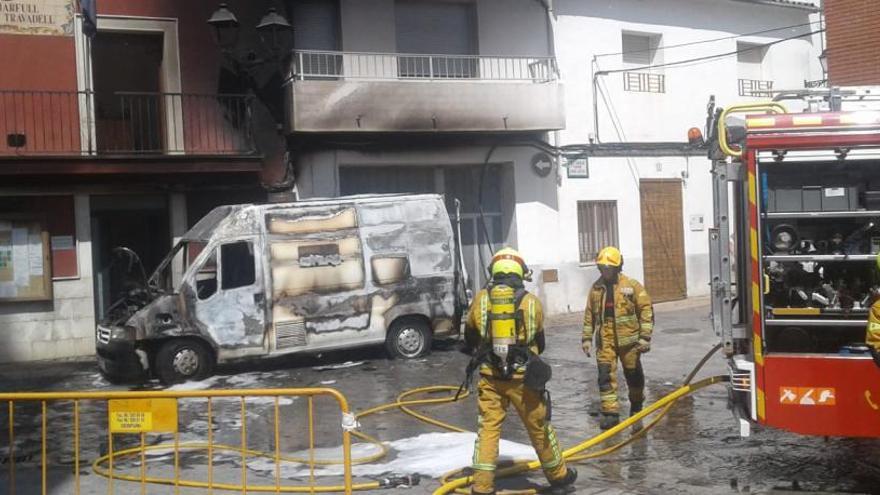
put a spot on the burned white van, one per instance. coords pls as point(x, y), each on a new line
point(266, 280)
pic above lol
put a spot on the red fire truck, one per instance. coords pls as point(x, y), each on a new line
point(793, 258)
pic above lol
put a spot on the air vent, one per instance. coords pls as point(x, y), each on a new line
point(289, 335)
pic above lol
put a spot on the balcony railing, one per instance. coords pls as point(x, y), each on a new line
point(755, 87)
point(644, 82)
point(124, 123)
point(331, 65)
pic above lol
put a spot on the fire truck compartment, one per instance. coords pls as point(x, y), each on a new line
point(819, 240)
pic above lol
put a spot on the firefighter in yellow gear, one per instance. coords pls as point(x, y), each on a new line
point(620, 317)
point(873, 333)
point(872, 337)
point(505, 334)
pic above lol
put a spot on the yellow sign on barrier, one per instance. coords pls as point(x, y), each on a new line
point(143, 415)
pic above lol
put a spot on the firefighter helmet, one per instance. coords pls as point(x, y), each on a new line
point(609, 256)
point(508, 260)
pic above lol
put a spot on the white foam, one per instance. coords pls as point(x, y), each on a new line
point(429, 454)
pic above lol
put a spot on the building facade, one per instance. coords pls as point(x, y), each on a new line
point(655, 65)
point(121, 138)
point(417, 95)
point(853, 34)
point(147, 125)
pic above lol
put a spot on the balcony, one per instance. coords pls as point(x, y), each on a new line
point(89, 124)
point(387, 92)
point(755, 88)
point(644, 82)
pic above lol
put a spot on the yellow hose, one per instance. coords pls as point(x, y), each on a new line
point(404, 404)
point(570, 453)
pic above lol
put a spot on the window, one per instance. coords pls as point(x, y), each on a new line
point(750, 70)
point(639, 49)
point(206, 277)
point(644, 82)
point(445, 29)
point(238, 269)
point(597, 227)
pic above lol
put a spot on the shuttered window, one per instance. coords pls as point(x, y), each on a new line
point(597, 227)
point(315, 24)
point(637, 49)
point(434, 27)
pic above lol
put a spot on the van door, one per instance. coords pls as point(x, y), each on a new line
point(230, 297)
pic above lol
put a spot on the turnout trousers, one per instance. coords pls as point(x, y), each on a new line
point(495, 395)
point(608, 351)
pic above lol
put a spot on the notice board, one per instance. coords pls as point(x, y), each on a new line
point(25, 270)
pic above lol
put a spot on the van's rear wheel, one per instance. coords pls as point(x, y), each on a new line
point(180, 360)
point(408, 338)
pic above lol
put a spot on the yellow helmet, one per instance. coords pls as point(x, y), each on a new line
point(609, 256)
point(507, 260)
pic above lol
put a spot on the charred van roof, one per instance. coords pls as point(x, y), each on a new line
point(244, 219)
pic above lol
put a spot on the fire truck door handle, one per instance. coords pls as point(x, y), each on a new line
point(259, 298)
point(870, 402)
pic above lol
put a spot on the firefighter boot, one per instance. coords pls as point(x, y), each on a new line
point(609, 420)
point(563, 485)
point(634, 408)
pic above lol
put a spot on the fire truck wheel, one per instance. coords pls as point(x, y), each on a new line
point(180, 360)
point(408, 338)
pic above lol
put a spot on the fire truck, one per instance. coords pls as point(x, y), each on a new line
point(796, 190)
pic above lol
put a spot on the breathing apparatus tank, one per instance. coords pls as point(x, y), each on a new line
point(502, 322)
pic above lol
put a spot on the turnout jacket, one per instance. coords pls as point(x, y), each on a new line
point(633, 312)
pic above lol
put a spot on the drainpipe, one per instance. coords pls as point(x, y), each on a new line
point(596, 74)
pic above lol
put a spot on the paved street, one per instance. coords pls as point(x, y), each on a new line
point(696, 449)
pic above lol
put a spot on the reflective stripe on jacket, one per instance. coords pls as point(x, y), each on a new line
point(633, 312)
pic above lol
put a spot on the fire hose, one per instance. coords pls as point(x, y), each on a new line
point(405, 403)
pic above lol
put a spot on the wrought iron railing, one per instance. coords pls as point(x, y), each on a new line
point(818, 83)
point(34, 122)
point(644, 82)
point(755, 87)
point(332, 65)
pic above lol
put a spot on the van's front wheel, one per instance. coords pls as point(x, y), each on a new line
point(408, 338)
point(180, 360)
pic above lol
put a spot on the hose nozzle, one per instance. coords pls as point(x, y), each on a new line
point(401, 481)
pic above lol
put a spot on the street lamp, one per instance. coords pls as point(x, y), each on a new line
point(225, 26)
point(275, 32)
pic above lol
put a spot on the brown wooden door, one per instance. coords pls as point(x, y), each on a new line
point(663, 239)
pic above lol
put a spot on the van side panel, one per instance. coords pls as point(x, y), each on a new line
point(410, 249)
point(341, 273)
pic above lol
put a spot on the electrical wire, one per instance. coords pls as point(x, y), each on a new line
point(707, 58)
point(700, 42)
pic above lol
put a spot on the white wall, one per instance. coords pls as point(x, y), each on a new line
point(63, 327)
point(589, 27)
point(586, 28)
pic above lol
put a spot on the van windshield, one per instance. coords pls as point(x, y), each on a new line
point(177, 261)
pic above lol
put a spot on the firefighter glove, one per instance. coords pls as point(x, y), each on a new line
point(644, 346)
point(586, 345)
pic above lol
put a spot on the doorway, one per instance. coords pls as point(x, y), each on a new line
point(126, 76)
point(138, 222)
point(663, 239)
